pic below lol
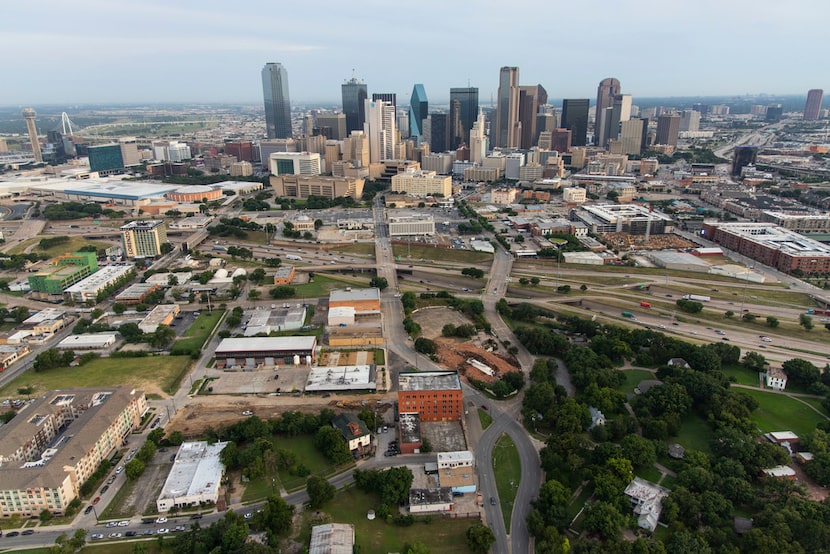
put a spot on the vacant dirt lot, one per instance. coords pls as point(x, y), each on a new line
point(432, 320)
point(454, 355)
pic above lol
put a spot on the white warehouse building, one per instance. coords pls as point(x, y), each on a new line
point(194, 478)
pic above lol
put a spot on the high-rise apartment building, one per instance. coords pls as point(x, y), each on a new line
point(467, 98)
point(531, 98)
point(332, 125)
point(668, 127)
point(380, 129)
point(277, 102)
point(143, 239)
point(575, 119)
point(418, 110)
point(812, 108)
point(506, 132)
point(743, 156)
point(689, 120)
point(606, 91)
point(633, 135)
point(29, 115)
point(354, 94)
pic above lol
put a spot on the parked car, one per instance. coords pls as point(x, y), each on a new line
point(88, 509)
point(105, 488)
point(161, 520)
point(97, 500)
point(196, 516)
point(492, 501)
point(28, 532)
point(96, 536)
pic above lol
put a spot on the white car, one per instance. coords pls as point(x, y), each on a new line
point(163, 531)
point(161, 520)
point(247, 413)
point(115, 535)
point(123, 523)
point(119, 469)
point(766, 339)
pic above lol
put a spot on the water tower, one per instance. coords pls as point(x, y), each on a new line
point(29, 115)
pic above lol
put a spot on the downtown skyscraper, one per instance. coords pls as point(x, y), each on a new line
point(277, 101)
point(506, 132)
point(418, 110)
point(606, 91)
point(380, 128)
point(467, 107)
point(812, 108)
point(354, 94)
point(575, 119)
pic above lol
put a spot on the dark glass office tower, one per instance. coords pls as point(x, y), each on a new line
point(439, 132)
point(277, 102)
point(743, 156)
point(468, 109)
point(354, 93)
point(418, 110)
point(389, 97)
point(575, 118)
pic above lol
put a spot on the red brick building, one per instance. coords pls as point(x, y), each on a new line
point(433, 395)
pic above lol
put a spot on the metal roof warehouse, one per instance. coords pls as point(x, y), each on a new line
point(247, 352)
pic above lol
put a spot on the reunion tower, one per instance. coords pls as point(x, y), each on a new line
point(29, 115)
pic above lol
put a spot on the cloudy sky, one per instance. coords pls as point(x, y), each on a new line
point(79, 51)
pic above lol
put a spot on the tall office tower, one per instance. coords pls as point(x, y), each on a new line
point(743, 156)
point(702, 108)
point(142, 239)
point(439, 132)
point(560, 140)
point(403, 124)
point(29, 115)
point(811, 109)
point(545, 121)
point(456, 129)
point(668, 127)
point(606, 91)
point(380, 129)
point(575, 118)
point(354, 94)
point(689, 120)
point(356, 149)
point(774, 112)
point(478, 140)
point(632, 136)
point(277, 102)
point(506, 133)
point(468, 100)
point(389, 97)
point(332, 125)
point(418, 110)
point(129, 151)
point(619, 111)
point(531, 98)
point(308, 125)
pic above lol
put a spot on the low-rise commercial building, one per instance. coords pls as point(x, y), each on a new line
point(265, 351)
point(163, 314)
point(332, 538)
point(430, 500)
point(88, 289)
point(342, 378)
point(402, 226)
point(98, 341)
point(364, 301)
point(46, 322)
point(56, 443)
point(433, 395)
point(195, 477)
point(10, 353)
point(303, 186)
point(417, 182)
point(284, 275)
point(136, 293)
point(285, 318)
point(64, 271)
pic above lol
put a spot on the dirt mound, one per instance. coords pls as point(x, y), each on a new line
point(454, 355)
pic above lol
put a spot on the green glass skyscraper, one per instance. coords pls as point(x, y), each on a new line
point(418, 110)
point(277, 102)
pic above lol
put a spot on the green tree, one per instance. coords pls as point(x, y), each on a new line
point(331, 444)
point(161, 337)
point(749, 317)
point(480, 538)
point(319, 491)
point(425, 345)
point(378, 282)
point(801, 372)
point(604, 518)
point(754, 361)
point(416, 548)
point(772, 321)
point(806, 321)
point(134, 469)
point(282, 291)
point(119, 308)
point(45, 515)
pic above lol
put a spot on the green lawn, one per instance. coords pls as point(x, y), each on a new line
point(633, 378)
point(442, 536)
point(694, 433)
point(357, 248)
point(742, 375)
point(116, 508)
point(72, 245)
point(649, 474)
point(194, 338)
point(485, 419)
point(418, 252)
point(508, 471)
point(148, 373)
point(303, 448)
point(322, 284)
point(782, 413)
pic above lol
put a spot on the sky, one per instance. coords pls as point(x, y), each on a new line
point(115, 51)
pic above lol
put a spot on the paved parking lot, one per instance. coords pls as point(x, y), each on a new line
point(261, 381)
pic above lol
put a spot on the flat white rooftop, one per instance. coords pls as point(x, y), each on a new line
point(337, 378)
point(343, 295)
point(101, 340)
point(100, 278)
point(265, 344)
point(196, 472)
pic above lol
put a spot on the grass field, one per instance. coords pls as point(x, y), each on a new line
point(694, 433)
point(322, 284)
point(150, 373)
point(440, 254)
point(72, 245)
point(649, 474)
point(357, 248)
point(303, 448)
point(115, 508)
point(742, 375)
point(782, 413)
point(508, 471)
point(633, 378)
point(441, 536)
point(484, 418)
point(194, 338)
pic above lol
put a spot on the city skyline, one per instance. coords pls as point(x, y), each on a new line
point(212, 52)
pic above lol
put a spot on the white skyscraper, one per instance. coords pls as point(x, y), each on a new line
point(381, 130)
point(478, 140)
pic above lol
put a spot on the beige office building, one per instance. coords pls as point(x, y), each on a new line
point(356, 149)
point(143, 239)
point(303, 186)
point(422, 183)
